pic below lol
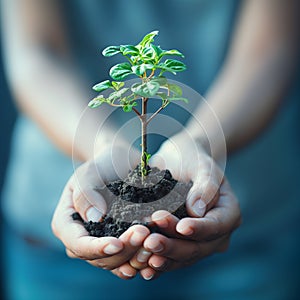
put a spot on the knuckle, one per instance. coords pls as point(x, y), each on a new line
point(78, 252)
point(135, 264)
point(69, 253)
point(102, 265)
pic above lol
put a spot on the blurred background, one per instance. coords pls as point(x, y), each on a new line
point(265, 248)
point(7, 119)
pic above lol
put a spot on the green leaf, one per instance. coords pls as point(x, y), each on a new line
point(129, 50)
point(164, 98)
point(172, 65)
point(147, 157)
point(175, 89)
point(111, 50)
point(147, 89)
point(120, 71)
point(117, 85)
point(141, 69)
point(162, 95)
point(96, 101)
point(148, 38)
point(129, 99)
point(101, 86)
point(151, 87)
point(149, 54)
point(175, 65)
point(170, 52)
point(128, 107)
point(117, 94)
point(158, 51)
point(161, 80)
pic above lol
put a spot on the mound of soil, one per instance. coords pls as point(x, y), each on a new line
point(132, 201)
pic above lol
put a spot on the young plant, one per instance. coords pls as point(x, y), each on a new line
point(147, 62)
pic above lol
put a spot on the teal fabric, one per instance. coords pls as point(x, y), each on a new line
point(262, 260)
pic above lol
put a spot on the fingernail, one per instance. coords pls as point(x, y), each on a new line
point(93, 214)
point(126, 274)
point(159, 265)
point(160, 215)
point(186, 230)
point(112, 249)
point(199, 208)
point(143, 256)
point(157, 248)
point(148, 277)
point(137, 238)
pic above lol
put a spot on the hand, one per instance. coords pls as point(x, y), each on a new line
point(187, 161)
point(184, 242)
point(80, 196)
point(190, 239)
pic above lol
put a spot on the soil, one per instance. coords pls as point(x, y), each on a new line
point(132, 201)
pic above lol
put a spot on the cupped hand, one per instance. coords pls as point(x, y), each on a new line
point(186, 241)
point(187, 161)
point(211, 204)
point(81, 195)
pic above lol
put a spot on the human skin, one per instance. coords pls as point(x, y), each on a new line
point(209, 185)
point(250, 86)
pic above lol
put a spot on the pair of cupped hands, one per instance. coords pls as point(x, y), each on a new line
point(211, 205)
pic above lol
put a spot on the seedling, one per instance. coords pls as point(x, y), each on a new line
point(148, 62)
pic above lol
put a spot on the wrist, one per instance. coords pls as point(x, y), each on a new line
point(199, 141)
point(185, 140)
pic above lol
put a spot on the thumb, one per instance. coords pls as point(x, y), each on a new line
point(202, 197)
point(87, 200)
point(89, 203)
point(204, 192)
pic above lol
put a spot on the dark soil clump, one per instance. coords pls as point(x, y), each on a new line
point(132, 201)
point(157, 185)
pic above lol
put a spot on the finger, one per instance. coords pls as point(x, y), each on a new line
point(88, 201)
point(125, 272)
point(220, 220)
point(134, 236)
point(160, 263)
point(184, 251)
point(132, 240)
point(140, 259)
point(161, 245)
point(70, 253)
point(75, 237)
point(204, 192)
point(89, 248)
point(166, 223)
point(149, 273)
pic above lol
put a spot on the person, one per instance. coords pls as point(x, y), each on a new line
point(244, 57)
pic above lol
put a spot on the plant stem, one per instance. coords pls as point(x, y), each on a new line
point(154, 114)
point(137, 112)
point(144, 123)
